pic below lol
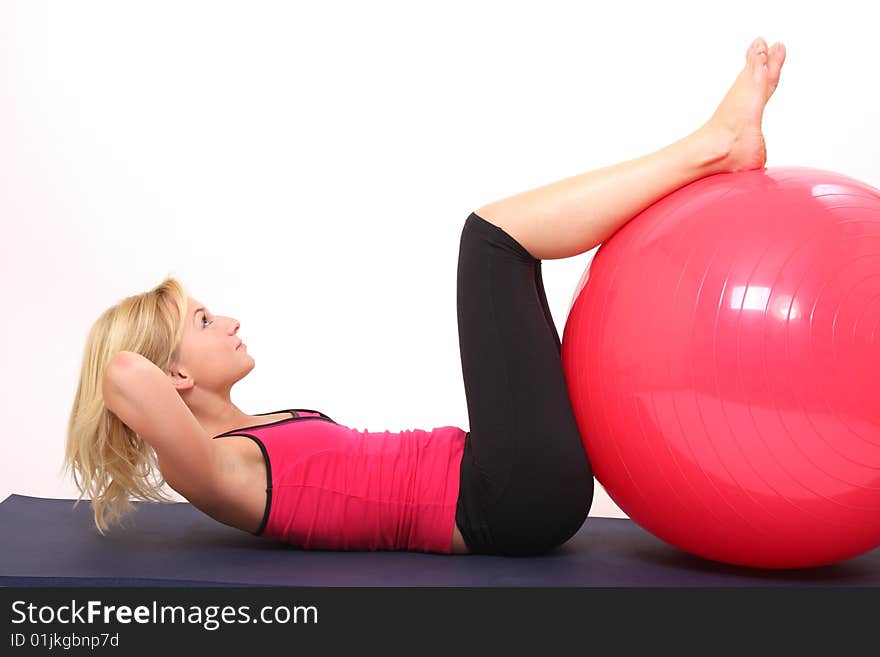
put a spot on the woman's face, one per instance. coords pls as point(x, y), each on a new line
point(209, 352)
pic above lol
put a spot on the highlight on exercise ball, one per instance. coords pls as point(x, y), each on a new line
point(722, 353)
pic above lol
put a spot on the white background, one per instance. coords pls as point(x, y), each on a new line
point(307, 169)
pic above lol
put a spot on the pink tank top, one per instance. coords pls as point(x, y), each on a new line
point(330, 487)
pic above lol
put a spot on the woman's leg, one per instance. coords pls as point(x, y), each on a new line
point(526, 482)
point(571, 216)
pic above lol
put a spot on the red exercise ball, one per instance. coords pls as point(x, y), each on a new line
point(721, 353)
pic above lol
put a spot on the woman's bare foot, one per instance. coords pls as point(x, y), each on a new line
point(737, 121)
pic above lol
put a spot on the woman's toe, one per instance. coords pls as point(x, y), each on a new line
point(774, 64)
point(759, 64)
point(753, 48)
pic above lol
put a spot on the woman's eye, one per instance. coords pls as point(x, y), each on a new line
point(204, 319)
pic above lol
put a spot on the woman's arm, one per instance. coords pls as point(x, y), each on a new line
point(142, 396)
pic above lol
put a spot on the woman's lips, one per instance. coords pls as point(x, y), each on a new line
point(241, 345)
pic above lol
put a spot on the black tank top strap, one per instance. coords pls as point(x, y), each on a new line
point(297, 411)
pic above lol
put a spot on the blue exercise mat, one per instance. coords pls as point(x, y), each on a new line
point(46, 542)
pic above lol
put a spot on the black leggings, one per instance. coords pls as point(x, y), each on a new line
point(526, 481)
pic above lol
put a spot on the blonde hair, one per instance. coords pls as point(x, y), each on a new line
point(108, 460)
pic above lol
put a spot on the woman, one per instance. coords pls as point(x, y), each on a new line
point(155, 385)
